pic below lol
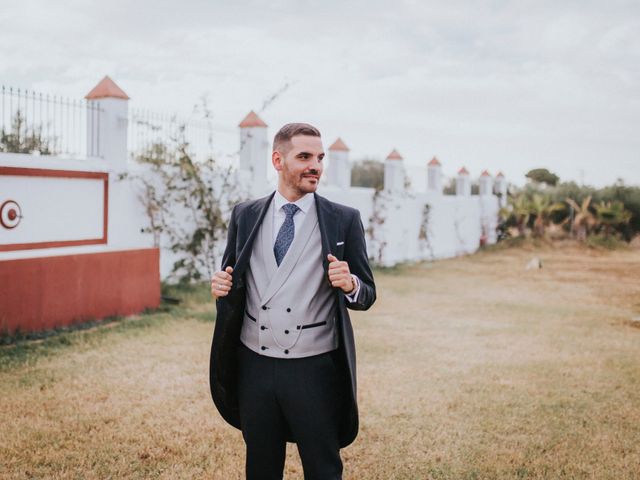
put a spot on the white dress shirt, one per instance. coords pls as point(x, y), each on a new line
point(304, 204)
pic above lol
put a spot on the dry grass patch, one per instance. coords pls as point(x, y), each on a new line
point(469, 368)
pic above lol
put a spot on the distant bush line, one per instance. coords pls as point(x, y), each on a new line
point(567, 209)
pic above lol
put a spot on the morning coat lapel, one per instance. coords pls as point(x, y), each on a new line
point(269, 264)
point(328, 221)
point(254, 216)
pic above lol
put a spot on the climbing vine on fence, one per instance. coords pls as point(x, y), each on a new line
point(424, 235)
point(188, 205)
point(374, 230)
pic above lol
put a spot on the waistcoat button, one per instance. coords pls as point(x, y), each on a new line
point(264, 307)
point(286, 331)
point(263, 348)
point(288, 309)
point(286, 351)
point(262, 327)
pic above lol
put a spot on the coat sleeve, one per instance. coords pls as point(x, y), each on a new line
point(229, 255)
point(356, 256)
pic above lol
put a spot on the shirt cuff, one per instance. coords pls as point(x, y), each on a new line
point(353, 296)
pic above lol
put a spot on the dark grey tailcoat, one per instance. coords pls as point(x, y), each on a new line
point(343, 236)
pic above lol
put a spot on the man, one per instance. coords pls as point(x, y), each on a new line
point(283, 355)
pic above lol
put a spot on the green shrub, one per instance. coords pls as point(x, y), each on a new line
point(606, 242)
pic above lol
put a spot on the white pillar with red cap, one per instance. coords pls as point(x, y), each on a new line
point(254, 149)
point(339, 171)
point(485, 184)
point(394, 175)
point(434, 176)
point(500, 188)
point(463, 183)
point(107, 122)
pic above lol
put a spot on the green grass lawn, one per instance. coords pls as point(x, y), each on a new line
point(469, 368)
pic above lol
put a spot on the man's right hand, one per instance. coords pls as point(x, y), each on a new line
point(221, 283)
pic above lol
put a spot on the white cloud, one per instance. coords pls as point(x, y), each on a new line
point(500, 85)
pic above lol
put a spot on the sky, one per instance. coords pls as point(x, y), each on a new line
point(497, 85)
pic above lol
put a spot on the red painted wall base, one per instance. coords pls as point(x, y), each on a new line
point(47, 292)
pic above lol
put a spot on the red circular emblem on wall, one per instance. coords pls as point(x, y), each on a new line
point(10, 214)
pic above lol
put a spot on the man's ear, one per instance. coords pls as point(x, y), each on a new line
point(276, 160)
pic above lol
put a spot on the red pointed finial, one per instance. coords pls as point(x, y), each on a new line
point(252, 120)
point(106, 88)
point(339, 145)
point(394, 155)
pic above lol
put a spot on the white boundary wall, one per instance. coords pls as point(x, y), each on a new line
point(455, 224)
point(69, 209)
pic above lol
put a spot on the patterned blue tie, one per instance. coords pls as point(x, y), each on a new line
point(286, 232)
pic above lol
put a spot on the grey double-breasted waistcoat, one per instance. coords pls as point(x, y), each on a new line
point(291, 308)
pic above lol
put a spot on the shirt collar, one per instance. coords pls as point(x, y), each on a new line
point(304, 203)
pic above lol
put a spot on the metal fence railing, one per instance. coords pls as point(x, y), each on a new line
point(148, 129)
point(33, 122)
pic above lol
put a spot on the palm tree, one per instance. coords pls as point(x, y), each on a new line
point(611, 214)
point(519, 208)
point(583, 219)
point(541, 207)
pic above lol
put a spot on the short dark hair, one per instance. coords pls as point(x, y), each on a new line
point(290, 130)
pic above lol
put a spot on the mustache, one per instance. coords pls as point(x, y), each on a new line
point(313, 171)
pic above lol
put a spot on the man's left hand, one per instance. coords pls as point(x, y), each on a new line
point(340, 275)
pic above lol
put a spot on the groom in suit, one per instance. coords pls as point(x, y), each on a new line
point(283, 355)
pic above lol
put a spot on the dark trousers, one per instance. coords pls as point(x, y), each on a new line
point(298, 397)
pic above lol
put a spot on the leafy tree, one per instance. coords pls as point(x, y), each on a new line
point(542, 175)
point(517, 212)
point(582, 217)
point(612, 214)
point(583, 220)
point(541, 207)
point(564, 190)
point(450, 187)
point(368, 172)
point(630, 197)
point(529, 208)
point(20, 140)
